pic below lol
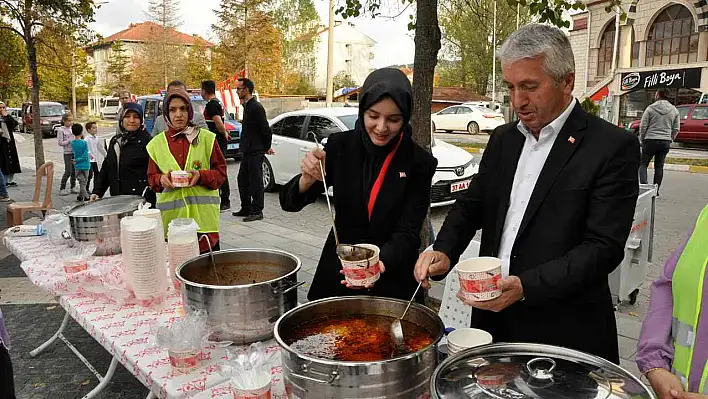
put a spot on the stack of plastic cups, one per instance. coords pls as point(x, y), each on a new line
point(156, 215)
point(145, 271)
point(182, 244)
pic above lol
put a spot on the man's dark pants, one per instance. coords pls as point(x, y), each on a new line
point(250, 183)
point(225, 189)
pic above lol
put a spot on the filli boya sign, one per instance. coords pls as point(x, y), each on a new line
point(673, 78)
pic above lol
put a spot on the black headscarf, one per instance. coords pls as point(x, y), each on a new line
point(385, 82)
point(126, 135)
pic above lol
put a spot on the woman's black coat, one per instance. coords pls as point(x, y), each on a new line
point(396, 219)
point(9, 160)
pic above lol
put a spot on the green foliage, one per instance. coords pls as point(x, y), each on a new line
point(54, 67)
point(119, 67)
point(13, 64)
point(343, 79)
point(198, 66)
point(590, 107)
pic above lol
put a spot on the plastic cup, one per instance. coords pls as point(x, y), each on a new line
point(359, 273)
point(479, 278)
point(75, 266)
point(180, 178)
point(260, 392)
point(184, 360)
point(465, 338)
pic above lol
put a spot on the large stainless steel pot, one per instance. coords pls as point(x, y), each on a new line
point(98, 222)
point(262, 286)
point(525, 371)
point(404, 376)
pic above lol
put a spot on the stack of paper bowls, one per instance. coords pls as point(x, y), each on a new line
point(146, 273)
point(160, 250)
point(465, 338)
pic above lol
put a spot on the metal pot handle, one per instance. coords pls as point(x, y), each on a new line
point(541, 373)
point(281, 290)
point(332, 376)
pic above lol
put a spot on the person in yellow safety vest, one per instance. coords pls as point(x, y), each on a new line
point(673, 344)
point(185, 147)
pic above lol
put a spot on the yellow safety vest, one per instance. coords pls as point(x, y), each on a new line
point(687, 286)
point(198, 202)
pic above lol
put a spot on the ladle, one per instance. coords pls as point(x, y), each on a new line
point(397, 328)
point(344, 251)
point(211, 256)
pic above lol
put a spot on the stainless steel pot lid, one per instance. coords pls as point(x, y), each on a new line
point(107, 206)
point(521, 371)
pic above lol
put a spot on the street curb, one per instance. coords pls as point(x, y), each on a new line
point(668, 166)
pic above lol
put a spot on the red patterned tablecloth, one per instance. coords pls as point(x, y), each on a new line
point(126, 330)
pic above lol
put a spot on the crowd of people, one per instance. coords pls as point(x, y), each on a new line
point(554, 199)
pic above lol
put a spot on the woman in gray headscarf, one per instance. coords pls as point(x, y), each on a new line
point(9, 161)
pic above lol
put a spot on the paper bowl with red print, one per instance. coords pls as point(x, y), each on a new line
point(360, 273)
point(180, 178)
point(479, 278)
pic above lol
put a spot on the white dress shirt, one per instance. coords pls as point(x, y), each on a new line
point(533, 158)
point(97, 149)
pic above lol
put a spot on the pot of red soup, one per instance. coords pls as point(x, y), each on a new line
point(244, 293)
point(342, 348)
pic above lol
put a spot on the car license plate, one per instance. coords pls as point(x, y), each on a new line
point(459, 186)
point(232, 146)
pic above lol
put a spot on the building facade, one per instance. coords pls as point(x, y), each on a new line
point(353, 52)
point(621, 62)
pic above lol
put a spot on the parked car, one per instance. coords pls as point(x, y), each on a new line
point(110, 108)
point(50, 114)
point(694, 124)
point(17, 114)
point(465, 117)
point(293, 138)
point(152, 106)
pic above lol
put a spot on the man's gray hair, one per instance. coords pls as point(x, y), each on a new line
point(533, 40)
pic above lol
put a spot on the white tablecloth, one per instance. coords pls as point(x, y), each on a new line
point(126, 331)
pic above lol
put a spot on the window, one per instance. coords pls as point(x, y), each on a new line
point(464, 110)
point(349, 121)
point(448, 111)
point(700, 113)
point(683, 112)
point(277, 127)
point(292, 126)
point(322, 127)
point(150, 110)
point(672, 38)
point(604, 55)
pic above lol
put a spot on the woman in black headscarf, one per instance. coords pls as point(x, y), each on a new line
point(9, 161)
point(381, 181)
point(124, 171)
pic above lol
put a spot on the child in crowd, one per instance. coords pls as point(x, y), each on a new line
point(82, 162)
point(97, 152)
point(64, 137)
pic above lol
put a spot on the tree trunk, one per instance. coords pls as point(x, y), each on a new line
point(427, 45)
point(36, 122)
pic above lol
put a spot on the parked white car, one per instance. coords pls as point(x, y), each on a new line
point(110, 108)
point(292, 139)
point(467, 117)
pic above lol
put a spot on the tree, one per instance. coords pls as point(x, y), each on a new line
point(119, 67)
point(54, 64)
point(27, 18)
point(467, 38)
point(198, 66)
point(166, 14)
point(343, 79)
point(298, 21)
point(13, 61)
point(248, 40)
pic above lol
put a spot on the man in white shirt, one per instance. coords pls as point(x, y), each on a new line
point(554, 198)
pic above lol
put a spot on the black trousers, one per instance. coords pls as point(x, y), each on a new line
point(7, 384)
point(657, 149)
point(225, 189)
point(250, 183)
point(93, 173)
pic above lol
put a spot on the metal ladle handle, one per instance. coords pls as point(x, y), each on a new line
point(211, 255)
point(324, 181)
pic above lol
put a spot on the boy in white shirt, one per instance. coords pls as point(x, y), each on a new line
point(97, 152)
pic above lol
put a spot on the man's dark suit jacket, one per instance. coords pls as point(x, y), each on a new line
point(571, 237)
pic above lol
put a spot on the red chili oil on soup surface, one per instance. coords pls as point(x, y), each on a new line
point(355, 338)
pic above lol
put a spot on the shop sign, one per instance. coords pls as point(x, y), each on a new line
point(672, 78)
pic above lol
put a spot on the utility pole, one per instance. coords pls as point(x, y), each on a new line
point(517, 16)
point(245, 38)
point(494, 54)
point(73, 81)
point(330, 54)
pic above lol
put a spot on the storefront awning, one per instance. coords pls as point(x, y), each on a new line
point(600, 94)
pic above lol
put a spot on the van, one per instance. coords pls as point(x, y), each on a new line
point(110, 108)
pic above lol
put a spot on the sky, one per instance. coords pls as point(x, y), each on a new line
point(394, 41)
